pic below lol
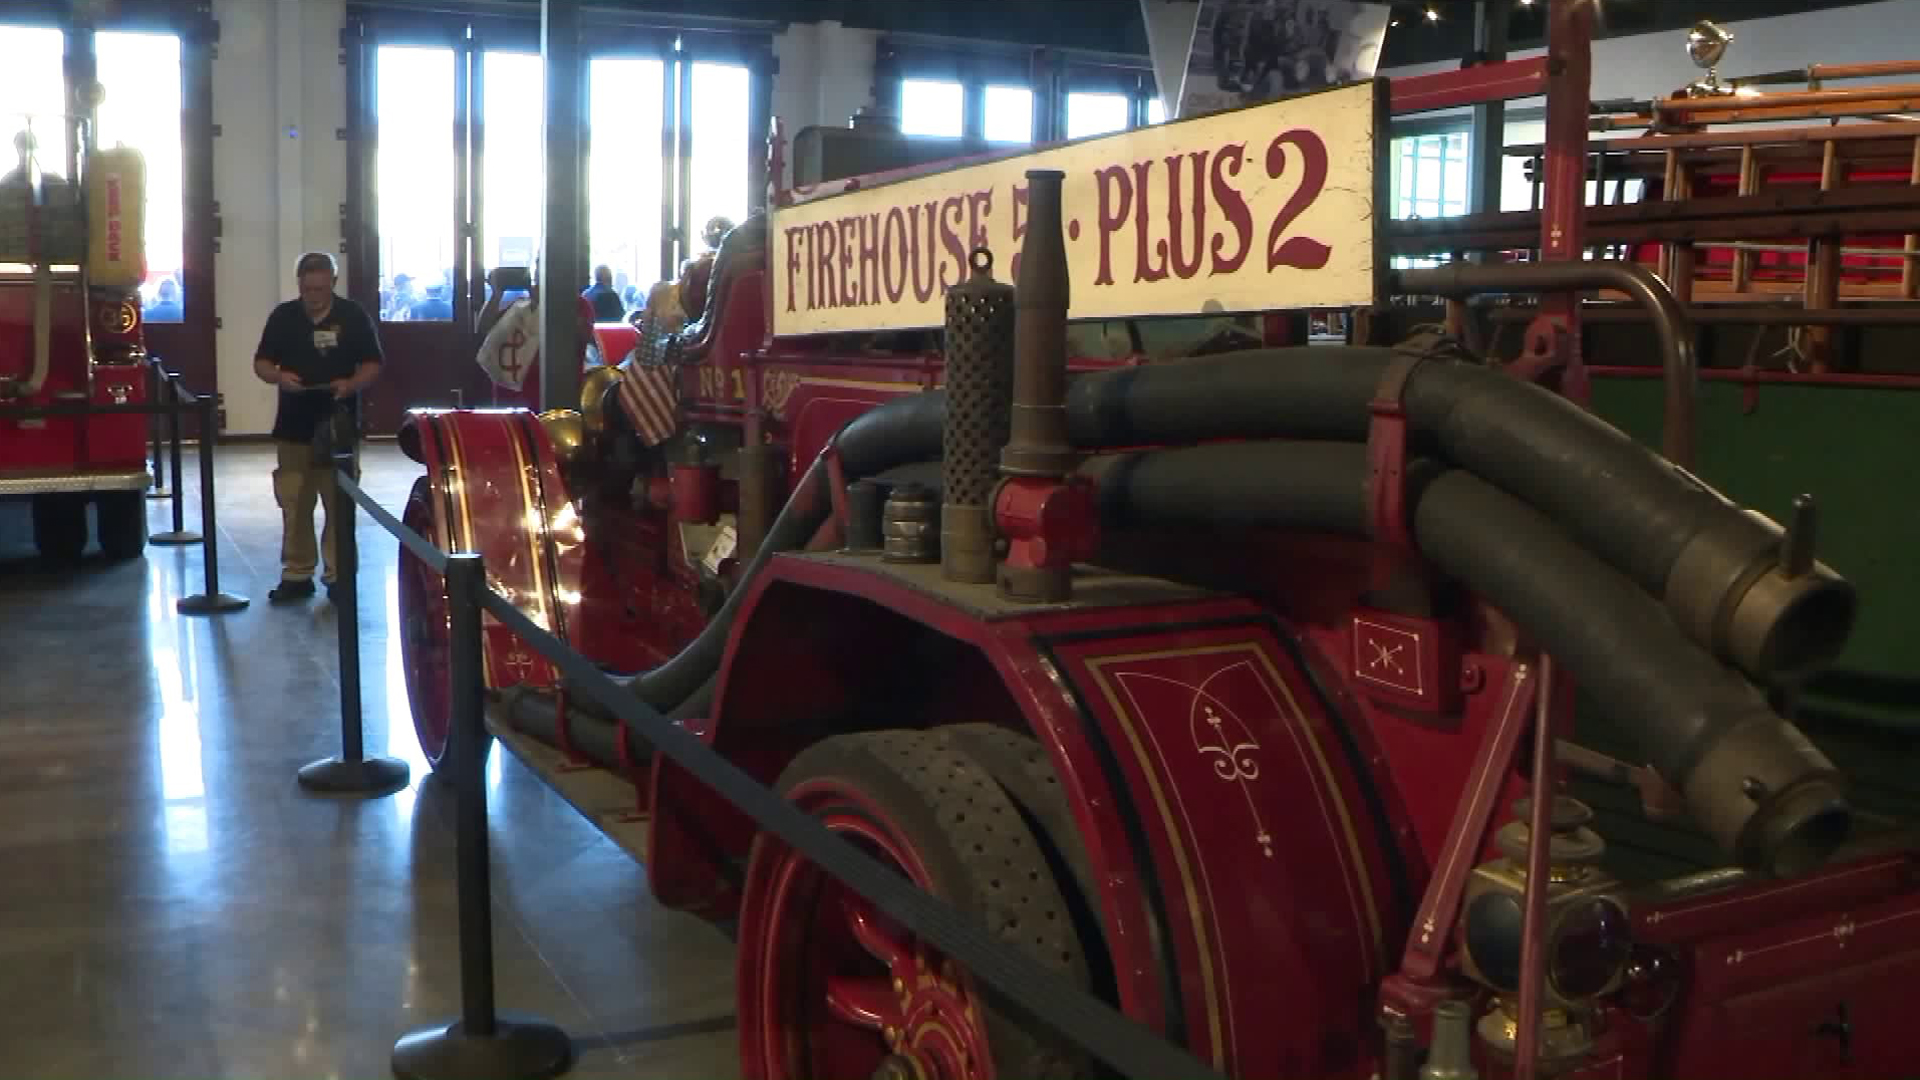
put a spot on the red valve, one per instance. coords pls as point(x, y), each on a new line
point(1048, 524)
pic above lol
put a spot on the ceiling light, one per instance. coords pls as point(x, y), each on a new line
point(1433, 14)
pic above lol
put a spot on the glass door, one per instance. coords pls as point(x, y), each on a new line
point(416, 192)
point(451, 167)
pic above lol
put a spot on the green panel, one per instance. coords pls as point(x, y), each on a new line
point(1855, 450)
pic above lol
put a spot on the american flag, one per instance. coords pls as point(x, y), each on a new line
point(650, 397)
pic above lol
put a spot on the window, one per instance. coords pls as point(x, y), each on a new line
point(1429, 180)
point(931, 108)
point(720, 122)
point(140, 74)
point(624, 105)
point(1156, 110)
point(1097, 114)
point(513, 163)
point(1009, 114)
point(1432, 175)
point(32, 89)
point(415, 175)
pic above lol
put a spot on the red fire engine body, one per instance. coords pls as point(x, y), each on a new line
point(1232, 734)
point(71, 259)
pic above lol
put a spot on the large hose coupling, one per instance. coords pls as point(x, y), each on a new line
point(1754, 595)
point(1768, 796)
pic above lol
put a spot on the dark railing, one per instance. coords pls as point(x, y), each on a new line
point(353, 772)
point(482, 1041)
point(165, 384)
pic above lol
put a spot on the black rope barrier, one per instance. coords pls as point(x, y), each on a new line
point(483, 1041)
point(211, 601)
point(156, 382)
point(1014, 978)
point(353, 772)
point(178, 535)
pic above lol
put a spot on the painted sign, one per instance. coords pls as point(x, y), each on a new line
point(1261, 208)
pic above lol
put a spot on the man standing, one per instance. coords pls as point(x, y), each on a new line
point(321, 350)
point(607, 306)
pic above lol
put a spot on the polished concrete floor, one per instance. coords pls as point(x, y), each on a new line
point(172, 904)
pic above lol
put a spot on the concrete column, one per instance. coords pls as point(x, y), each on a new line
point(289, 116)
point(563, 271)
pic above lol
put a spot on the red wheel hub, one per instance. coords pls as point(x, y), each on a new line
point(841, 990)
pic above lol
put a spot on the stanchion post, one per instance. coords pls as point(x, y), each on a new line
point(212, 601)
point(482, 1042)
point(352, 773)
point(156, 385)
point(178, 534)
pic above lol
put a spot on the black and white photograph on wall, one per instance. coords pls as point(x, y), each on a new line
point(1246, 51)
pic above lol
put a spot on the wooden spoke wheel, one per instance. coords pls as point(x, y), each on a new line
point(426, 651)
point(829, 987)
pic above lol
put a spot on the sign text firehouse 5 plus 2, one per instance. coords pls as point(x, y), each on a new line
point(1235, 211)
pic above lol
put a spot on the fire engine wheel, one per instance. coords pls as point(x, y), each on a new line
point(830, 987)
point(122, 521)
point(424, 637)
point(60, 526)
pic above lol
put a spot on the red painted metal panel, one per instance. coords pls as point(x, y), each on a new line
point(1470, 86)
point(1267, 862)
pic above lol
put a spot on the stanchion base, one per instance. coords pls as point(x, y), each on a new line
point(521, 1048)
point(209, 604)
point(368, 776)
point(174, 539)
point(160, 493)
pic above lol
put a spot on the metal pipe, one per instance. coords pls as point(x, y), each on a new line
point(209, 539)
point(1669, 320)
point(1791, 249)
point(466, 576)
point(1729, 313)
point(173, 452)
point(342, 517)
point(1037, 444)
point(1810, 97)
point(1533, 921)
point(156, 385)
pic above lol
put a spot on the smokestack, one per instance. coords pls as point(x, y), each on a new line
point(979, 383)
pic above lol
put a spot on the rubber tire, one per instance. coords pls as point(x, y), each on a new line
point(121, 519)
point(950, 810)
point(423, 597)
point(60, 527)
point(1021, 766)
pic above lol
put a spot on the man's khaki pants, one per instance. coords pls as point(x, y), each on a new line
point(298, 482)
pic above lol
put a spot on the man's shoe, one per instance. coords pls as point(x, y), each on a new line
point(333, 592)
point(288, 591)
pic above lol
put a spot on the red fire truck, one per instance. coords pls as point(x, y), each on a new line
point(71, 261)
point(1210, 680)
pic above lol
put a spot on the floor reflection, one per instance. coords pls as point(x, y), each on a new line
point(174, 662)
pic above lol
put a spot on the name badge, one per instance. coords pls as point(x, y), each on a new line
point(324, 341)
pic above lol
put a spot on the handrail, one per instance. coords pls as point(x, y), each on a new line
point(1677, 360)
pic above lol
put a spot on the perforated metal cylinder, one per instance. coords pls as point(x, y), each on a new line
point(979, 384)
